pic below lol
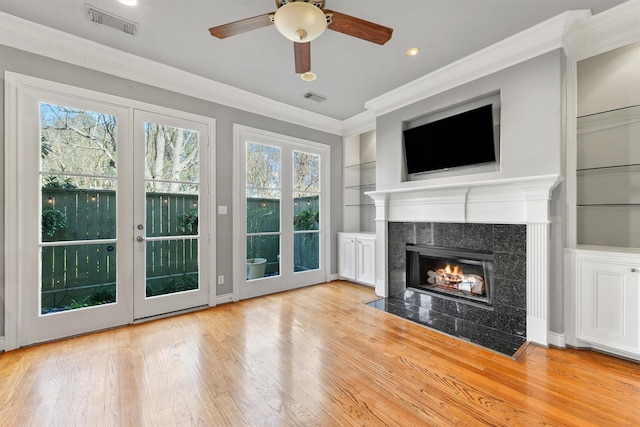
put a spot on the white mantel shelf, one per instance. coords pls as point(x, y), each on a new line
point(502, 201)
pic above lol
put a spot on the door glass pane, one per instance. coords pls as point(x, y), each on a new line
point(78, 203)
point(77, 276)
point(171, 213)
point(78, 208)
point(76, 141)
point(172, 154)
point(172, 266)
point(263, 192)
point(171, 209)
point(306, 211)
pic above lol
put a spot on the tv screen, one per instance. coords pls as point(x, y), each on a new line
point(459, 140)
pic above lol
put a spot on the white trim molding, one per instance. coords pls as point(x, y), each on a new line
point(51, 43)
point(530, 43)
point(503, 201)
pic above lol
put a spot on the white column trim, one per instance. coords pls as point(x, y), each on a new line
point(538, 283)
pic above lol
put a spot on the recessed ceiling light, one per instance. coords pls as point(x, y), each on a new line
point(309, 76)
point(129, 2)
point(413, 51)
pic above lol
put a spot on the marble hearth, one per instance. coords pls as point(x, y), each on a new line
point(501, 325)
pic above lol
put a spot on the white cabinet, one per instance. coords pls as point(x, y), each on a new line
point(357, 257)
point(608, 298)
point(347, 256)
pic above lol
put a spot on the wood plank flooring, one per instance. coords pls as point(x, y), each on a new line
point(313, 356)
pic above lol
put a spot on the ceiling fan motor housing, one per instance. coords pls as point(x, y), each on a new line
point(300, 21)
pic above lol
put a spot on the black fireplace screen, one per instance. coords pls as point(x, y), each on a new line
point(457, 273)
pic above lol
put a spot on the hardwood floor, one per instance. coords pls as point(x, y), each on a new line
point(314, 356)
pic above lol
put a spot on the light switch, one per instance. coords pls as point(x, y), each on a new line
point(222, 210)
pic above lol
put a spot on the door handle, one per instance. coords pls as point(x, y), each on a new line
point(634, 270)
point(140, 239)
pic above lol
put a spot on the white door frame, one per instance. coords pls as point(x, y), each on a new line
point(241, 134)
point(15, 258)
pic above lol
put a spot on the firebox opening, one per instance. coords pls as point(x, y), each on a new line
point(456, 273)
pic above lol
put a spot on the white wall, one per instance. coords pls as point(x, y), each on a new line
point(531, 124)
point(609, 81)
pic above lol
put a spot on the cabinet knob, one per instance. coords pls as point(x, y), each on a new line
point(634, 270)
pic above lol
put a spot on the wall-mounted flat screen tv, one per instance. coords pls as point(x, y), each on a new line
point(459, 140)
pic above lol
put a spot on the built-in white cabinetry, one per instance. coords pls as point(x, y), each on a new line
point(357, 257)
point(608, 297)
point(603, 190)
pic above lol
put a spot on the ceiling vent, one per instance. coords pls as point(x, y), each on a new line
point(101, 17)
point(315, 97)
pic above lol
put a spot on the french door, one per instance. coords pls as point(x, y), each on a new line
point(108, 202)
point(282, 208)
point(169, 199)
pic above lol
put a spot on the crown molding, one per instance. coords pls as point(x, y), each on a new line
point(605, 31)
point(530, 43)
point(359, 124)
point(35, 38)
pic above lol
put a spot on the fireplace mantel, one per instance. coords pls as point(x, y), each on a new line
point(502, 201)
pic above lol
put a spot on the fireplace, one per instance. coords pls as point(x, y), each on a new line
point(460, 274)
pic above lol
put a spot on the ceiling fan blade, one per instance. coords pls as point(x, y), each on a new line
point(356, 27)
point(241, 26)
point(302, 54)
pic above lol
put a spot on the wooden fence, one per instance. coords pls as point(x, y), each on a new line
point(79, 272)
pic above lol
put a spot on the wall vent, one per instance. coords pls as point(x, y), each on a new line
point(101, 17)
point(315, 97)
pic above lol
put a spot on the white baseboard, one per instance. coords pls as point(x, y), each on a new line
point(556, 340)
point(1, 343)
point(333, 277)
point(223, 299)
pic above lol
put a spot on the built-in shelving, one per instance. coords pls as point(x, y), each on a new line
point(359, 177)
point(608, 178)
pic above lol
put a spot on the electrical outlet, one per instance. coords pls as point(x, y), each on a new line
point(221, 279)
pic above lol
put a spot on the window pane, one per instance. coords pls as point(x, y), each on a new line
point(306, 250)
point(306, 212)
point(263, 215)
point(263, 256)
point(171, 153)
point(306, 172)
point(263, 171)
point(172, 266)
point(77, 276)
point(77, 208)
point(171, 210)
point(77, 141)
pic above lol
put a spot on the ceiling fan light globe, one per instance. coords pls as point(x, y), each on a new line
point(300, 18)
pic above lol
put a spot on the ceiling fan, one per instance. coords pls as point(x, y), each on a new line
point(302, 21)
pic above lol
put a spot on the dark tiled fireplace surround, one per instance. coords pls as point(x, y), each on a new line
point(501, 326)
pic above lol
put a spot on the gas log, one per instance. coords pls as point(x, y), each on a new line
point(456, 279)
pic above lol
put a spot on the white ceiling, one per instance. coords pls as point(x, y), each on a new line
point(350, 71)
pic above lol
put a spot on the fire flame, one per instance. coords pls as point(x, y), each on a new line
point(455, 270)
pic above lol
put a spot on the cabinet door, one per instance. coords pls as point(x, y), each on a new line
point(347, 256)
point(366, 260)
point(608, 301)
